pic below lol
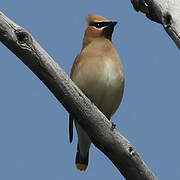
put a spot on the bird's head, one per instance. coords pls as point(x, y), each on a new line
point(98, 27)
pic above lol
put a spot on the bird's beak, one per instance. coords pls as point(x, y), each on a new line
point(108, 30)
point(112, 24)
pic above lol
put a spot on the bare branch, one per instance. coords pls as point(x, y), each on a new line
point(165, 12)
point(102, 133)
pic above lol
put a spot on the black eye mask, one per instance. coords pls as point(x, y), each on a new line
point(100, 24)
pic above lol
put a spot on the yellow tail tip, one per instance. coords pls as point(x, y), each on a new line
point(81, 167)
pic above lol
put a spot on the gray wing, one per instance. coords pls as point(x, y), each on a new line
point(70, 128)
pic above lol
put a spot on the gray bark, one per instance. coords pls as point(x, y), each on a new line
point(165, 12)
point(102, 133)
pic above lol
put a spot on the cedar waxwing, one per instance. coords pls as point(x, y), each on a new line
point(98, 72)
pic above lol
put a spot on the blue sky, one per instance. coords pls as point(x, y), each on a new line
point(34, 125)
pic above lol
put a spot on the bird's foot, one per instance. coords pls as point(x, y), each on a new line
point(113, 126)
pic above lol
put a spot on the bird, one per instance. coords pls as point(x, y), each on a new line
point(98, 72)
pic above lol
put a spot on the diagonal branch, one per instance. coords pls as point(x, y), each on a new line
point(102, 133)
point(165, 12)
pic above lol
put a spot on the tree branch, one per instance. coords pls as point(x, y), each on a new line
point(102, 133)
point(165, 12)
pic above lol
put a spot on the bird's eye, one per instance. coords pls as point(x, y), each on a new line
point(100, 24)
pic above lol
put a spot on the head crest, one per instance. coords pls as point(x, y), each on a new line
point(92, 18)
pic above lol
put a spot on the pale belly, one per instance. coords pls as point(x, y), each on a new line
point(104, 87)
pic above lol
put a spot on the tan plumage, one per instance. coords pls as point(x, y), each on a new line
point(98, 72)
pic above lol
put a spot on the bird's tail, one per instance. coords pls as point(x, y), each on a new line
point(81, 162)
